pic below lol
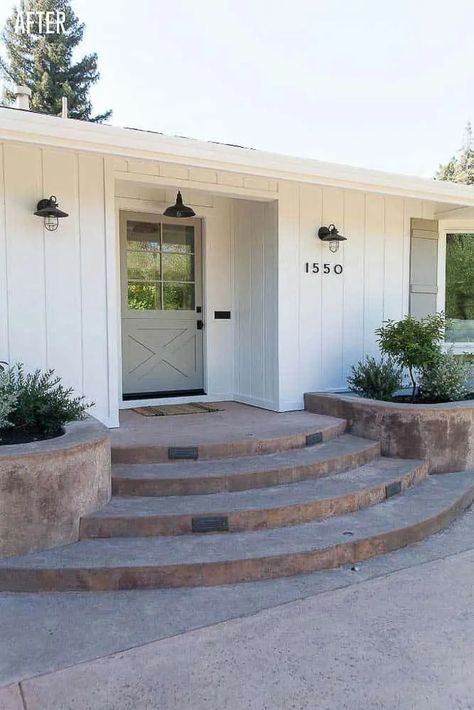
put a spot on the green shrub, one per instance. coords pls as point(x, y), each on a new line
point(7, 400)
point(42, 405)
point(446, 379)
point(413, 344)
point(375, 379)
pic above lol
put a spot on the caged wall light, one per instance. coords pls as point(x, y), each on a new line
point(331, 234)
point(49, 210)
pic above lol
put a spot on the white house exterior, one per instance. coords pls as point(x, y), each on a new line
point(281, 313)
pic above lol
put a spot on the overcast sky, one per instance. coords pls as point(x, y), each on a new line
point(374, 83)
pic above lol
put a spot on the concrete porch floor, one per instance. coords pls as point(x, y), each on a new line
point(234, 422)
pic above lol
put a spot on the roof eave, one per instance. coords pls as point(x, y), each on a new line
point(39, 129)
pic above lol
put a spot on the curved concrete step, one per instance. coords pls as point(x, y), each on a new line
point(256, 509)
point(243, 472)
point(195, 560)
point(221, 437)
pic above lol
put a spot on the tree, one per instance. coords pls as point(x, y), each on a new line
point(461, 167)
point(44, 61)
point(414, 344)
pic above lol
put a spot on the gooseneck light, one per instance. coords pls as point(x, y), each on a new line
point(178, 209)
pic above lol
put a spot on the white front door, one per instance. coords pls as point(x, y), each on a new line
point(162, 343)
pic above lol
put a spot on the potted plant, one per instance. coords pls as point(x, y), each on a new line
point(35, 406)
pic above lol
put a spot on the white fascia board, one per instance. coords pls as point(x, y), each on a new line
point(29, 127)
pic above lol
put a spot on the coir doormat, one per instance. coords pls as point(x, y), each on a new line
point(168, 410)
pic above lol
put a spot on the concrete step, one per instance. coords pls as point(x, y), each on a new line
point(211, 559)
point(243, 472)
point(271, 507)
point(220, 435)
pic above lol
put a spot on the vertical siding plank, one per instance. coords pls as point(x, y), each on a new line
point(62, 275)
point(394, 225)
point(332, 314)
point(257, 270)
point(25, 247)
point(411, 208)
point(355, 281)
point(374, 259)
point(93, 290)
point(289, 394)
point(270, 325)
point(311, 287)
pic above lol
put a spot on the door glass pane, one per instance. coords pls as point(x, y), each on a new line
point(460, 287)
point(143, 236)
point(178, 267)
point(144, 296)
point(178, 297)
point(178, 238)
point(143, 266)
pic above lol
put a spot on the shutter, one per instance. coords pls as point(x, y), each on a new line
point(423, 266)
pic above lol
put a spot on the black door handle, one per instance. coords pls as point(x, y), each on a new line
point(200, 324)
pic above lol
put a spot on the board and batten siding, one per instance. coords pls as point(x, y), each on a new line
point(255, 302)
point(291, 332)
point(424, 267)
point(53, 285)
point(327, 322)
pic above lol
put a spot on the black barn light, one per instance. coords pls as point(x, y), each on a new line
point(331, 234)
point(178, 209)
point(49, 210)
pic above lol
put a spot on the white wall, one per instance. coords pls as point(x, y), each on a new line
point(256, 314)
point(290, 331)
point(53, 286)
point(327, 322)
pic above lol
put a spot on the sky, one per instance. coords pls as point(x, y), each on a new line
point(373, 83)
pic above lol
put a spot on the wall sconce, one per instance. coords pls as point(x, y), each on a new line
point(178, 209)
point(331, 234)
point(49, 210)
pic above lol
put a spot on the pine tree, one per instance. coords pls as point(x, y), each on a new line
point(44, 63)
point(461, 167)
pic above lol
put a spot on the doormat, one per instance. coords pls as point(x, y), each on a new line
point(167, 410)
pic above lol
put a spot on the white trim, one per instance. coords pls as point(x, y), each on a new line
point(255, 402)
point(205, 398)
point(242, 193)
point(29, 127)
point(112, 266)
point(198, 223)
point(441, 294)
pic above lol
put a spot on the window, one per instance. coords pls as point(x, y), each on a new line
point(460, 287)
point(160, 266)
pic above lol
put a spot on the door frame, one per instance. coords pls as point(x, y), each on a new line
point(158, 217)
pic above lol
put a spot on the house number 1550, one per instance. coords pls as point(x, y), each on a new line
point(316, 268)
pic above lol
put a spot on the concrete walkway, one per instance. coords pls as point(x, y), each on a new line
point(404, 640)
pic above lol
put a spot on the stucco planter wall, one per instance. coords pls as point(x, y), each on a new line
point(442, 434)
point(46, 486)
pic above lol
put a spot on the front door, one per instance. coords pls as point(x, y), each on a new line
point(162, 339)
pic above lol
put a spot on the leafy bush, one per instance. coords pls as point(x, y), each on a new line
point(41, 404)
point(414, 344)
point(7, 400)
point(446, 379)
point(375, 379)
